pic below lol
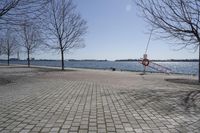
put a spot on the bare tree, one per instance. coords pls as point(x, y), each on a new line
point(64, 27)
point(1, 43)
point(175, 19)
point(7, 5)
point(30, 38)
point(9, 45)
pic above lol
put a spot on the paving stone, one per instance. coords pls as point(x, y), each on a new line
point(138, 130)
point(24, 131)
point(46, 129)
point(83, 131)
point(54, 129)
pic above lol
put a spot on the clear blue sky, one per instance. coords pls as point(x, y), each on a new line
point(115, 31)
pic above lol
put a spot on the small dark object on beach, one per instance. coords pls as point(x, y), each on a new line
point(113, 69)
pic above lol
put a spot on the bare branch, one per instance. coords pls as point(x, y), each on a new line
point(64, 26)
point(13, 11)
point(177, 20)
point(30, 38)
point(9, 44)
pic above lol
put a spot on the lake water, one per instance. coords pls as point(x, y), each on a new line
point(176, 67)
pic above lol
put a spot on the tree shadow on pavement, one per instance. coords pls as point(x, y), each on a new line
point(184, 81)
point(4, 81)
point(169, 103)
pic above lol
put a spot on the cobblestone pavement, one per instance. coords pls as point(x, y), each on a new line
point(42, 104)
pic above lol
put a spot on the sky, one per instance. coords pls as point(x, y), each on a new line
point(116, 30)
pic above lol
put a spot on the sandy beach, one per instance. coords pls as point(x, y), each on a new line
point(82, 100)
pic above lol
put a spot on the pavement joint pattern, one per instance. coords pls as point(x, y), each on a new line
point(53, 106)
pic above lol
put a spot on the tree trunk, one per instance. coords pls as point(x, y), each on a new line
point(8, 61)
point(199, 64)
point(28, 59)
point(62, 58)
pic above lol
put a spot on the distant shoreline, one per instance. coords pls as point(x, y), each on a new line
point(88, 68)
point(120, 60)
point(168, 60)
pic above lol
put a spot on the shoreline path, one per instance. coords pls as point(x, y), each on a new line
point(90, 101)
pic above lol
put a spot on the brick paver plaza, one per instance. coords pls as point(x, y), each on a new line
point(95, 101)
